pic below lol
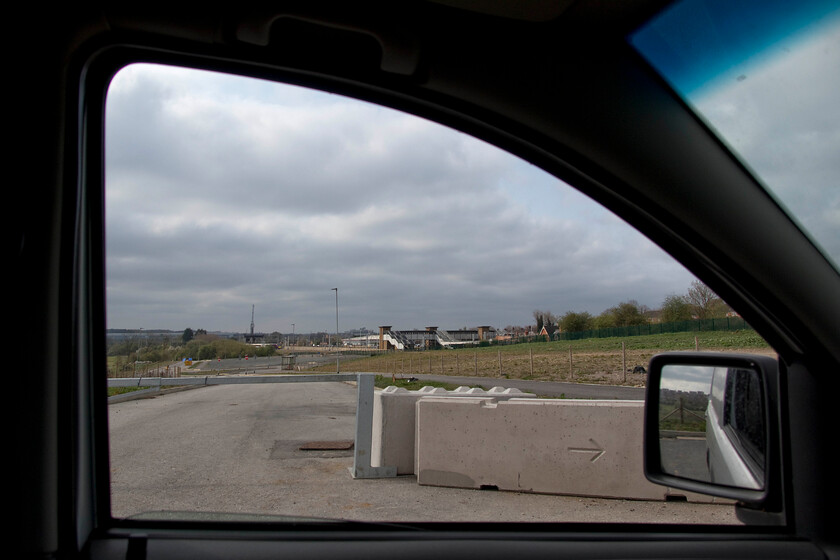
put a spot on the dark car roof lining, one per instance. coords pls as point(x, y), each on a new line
point(623, 137)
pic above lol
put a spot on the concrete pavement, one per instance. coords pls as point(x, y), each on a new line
point(236, 449)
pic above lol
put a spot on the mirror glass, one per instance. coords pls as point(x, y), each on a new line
point(712, 424)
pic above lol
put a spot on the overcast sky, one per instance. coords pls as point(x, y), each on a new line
point(781, 114)
point(678, 377)
point(223, 193)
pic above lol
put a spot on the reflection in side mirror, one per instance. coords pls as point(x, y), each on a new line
point(712, 424)
point(712, 427)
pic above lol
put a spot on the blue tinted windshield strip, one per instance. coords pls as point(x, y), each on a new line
point(764, 76)
point(694, 41)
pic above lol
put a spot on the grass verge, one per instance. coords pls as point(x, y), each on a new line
point(594, 360)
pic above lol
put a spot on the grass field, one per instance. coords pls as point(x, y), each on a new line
point(594, 360)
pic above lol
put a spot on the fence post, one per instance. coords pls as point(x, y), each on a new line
point(531, 358)
point(571, 372)
point(624, 360)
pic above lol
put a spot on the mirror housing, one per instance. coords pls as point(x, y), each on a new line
point(738, 458)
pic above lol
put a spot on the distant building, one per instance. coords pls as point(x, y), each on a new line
point(432, 337)
point(362, 341)
point(253, 338)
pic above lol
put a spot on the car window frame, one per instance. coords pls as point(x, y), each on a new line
point(85, 342)
point(118, 58)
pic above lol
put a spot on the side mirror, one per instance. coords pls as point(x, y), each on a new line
point(711, 425)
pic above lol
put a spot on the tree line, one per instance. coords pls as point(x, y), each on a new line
point(193, 344)
point(699, 302)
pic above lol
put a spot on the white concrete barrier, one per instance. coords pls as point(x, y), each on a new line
point(571, 447)
point(394, 416)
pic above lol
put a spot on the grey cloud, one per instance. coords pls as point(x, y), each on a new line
point(217, 200)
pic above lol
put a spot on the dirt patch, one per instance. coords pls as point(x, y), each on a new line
point(327, 445)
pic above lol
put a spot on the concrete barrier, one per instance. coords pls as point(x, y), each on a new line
point(571, 447)
point(394, 416)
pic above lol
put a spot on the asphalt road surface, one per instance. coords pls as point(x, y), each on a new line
point(685, 456)
point(236, 449)
point(554, 389)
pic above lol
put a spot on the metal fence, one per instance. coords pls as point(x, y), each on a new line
point(719, 324)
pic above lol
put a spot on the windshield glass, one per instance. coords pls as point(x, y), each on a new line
point(765, 75)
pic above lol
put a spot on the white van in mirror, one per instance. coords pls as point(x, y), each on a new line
point(735, 428)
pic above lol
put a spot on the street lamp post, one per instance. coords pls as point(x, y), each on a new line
point(336, 328)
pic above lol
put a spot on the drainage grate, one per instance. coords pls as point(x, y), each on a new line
point(327, 446)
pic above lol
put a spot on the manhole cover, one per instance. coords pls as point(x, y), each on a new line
point(327, 446)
